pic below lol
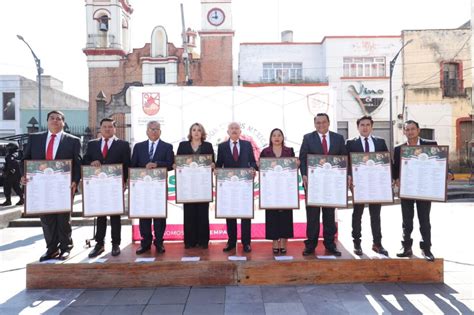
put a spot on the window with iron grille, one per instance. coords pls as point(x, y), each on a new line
point(452, 84)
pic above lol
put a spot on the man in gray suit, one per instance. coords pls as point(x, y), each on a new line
point(321, 141)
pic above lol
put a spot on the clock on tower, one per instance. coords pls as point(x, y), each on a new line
point(216, 42)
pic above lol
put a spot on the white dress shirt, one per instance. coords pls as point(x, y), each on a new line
point(231, 142)
point(327, 139)
point(155, 145)
point(109, 143)
point(371, 143)
point(57, 140)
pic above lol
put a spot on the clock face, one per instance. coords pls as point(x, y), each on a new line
point(216, 16)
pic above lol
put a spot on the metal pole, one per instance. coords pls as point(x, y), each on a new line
point(40, 71)
point(39, 94)
point(392, 66)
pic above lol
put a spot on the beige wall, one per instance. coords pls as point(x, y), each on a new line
point(424, 101)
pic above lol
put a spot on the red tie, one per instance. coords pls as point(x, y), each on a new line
point(325, 145)
point(367, 145)
point(49, 149)
point(105, 149)
point(235, 152)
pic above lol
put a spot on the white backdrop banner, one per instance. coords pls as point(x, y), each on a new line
point(257, 109)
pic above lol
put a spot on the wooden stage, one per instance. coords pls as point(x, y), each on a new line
point(214, 268)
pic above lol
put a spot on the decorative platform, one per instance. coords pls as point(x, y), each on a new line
point(214, 268)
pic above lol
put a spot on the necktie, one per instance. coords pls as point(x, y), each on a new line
point(235, 152)
point(152, 148)
point(105, 150)
point(367, 145)
point(325, 145)
point(49, 149)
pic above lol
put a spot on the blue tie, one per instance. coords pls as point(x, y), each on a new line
point(152, 148)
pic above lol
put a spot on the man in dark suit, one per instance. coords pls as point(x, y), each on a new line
point(366, 142)
point(321, 141)
point(236, 153)
point(108, 150)
point(411, 129)
point(12, 175)
point(152, 153)
point(55, 144)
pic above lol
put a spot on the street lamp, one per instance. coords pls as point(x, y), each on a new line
point(392, 65)
point(40, 71)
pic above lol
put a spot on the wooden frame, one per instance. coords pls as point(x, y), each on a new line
point(279, 161)
point(342, 161)
point(385, 159)
point(149, 173)
point(427, 150)
point(225, 172)
point(194, 159)
point(102, 167)
point(49, 165)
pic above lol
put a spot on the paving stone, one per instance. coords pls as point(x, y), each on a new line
point(246, 308)
point(204, 309)
point(214, 295)
point(123, 310)
point(164, 309)
point(170, 296)
point(95, 297)
point(132, 297)
point(242, 294)
point(285, 308)
point(281, 294)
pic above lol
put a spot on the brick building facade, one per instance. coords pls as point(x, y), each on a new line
point(114, 65)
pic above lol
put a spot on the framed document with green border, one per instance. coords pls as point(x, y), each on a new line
point(423, 172)
point(234, 193)
point(102, 192)
point(278, 178)
point(371, 177)
point(148, 192)
point(193, 178)
point(48, 187)
point(327, 181)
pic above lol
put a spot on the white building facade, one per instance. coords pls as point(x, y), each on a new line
point(19, 100)
point(355, 67)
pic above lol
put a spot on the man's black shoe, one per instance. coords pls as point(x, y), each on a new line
point(20, 203)
point(49, 255)
point(228, 248)
point(428, 255)
point(64, 255)
point(406, 252)
point(115, 250)
point(98, 249)
point(308, 251)
point(247, 248)
point(333, 250)
point(379, 250)
point(358, 250)
point(6, 203)
point(140, 250)
point(160, 248)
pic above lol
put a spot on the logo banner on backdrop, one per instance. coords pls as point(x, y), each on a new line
point(257, 110)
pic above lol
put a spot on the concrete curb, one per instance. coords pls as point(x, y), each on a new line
point(9, 214)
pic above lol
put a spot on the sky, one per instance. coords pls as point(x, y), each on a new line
point(56, 29)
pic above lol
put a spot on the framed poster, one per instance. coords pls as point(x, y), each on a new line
point(102, 192)
point(423, 172)
point(234, 193)
point(327, 181)
point(148, 192)
point(371, 177)
point(48, 186)
point(278, 178)
point(193, 178)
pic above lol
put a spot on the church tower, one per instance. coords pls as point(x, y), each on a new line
point(108, 41)
point(216, 36)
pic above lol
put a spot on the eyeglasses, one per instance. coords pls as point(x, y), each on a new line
point(154, 129)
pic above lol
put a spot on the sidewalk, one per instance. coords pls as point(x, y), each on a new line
point(452, 239)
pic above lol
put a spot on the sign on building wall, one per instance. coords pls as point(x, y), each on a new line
point(8, 108)
point(257, 110)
